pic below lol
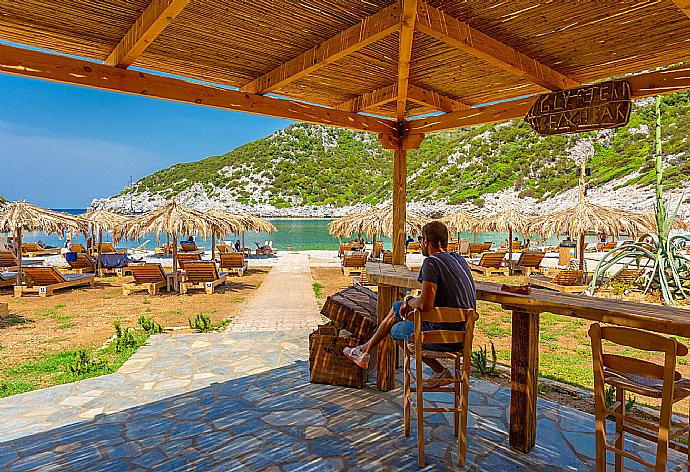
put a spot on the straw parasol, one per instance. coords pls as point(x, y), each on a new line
point(19, 216)
point(511, 220)
point(650, 219)
point(173, 218)
point(462, 221)
point(229, 223)
point(103, 220)
point(245, 222)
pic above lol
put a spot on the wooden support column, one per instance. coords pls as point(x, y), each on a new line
point(399, 205)
point(524, 370)
point(385, 352)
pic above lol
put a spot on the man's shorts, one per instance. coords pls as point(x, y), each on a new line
point(403, 330)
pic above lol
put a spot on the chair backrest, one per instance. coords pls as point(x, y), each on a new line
point(491, 259)
point(413, 246)
point(516, 245)
point(221, 248)
point(568, 277)
point(452, 247)
point(106, 247)
point(201, 271)
point(637, 339)
point(628, 276)
point(7, 259)
point(355, 260)
point(464, 247)
point(486, 245)
point(183, 259)
point(84, 261)
point(44, 275)
point(148, 273)
point(76, 247)
point(609, 246)
point(387, 257)
point(530, 259)
point(232, 260)
point(477, 248)
point(187, 246)
point(31, 247)
point(445, 336)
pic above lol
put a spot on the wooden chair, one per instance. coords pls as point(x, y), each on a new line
point(609, 246)
point(148, 277)
point(475, 249)
point(83, 265)
point(45, 280)
point(529, 262)
point(7, 279)
point(464, 247)
point(516, 246)
point(76, 247)
point(486, 246)
point(222, 248)
point(353, 263)
point(186, 246)
point(202, 275)
point(387, 257)
point(234, 262)
point(641, 377)
point(33, 250)
point(108, 248)
point(460, 378)
point(567, 281)
point(184, 257)
point(490, 263)
point(8, 261)
point(414, 248)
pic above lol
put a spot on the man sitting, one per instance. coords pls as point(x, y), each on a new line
point(446, 282)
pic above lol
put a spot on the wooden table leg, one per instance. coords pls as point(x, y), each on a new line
point(385, 367)
point(524, 371)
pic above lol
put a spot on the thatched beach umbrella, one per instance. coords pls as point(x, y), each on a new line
point(23, 216)
point(462, 221)
point(171, 218)
point(511, 220)
point(224, 224)
point(250, 222)
point(103, 220)
point(650, 220)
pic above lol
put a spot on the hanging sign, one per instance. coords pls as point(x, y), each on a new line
point(599, 106)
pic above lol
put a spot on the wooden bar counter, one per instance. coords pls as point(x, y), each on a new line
point(525, 336)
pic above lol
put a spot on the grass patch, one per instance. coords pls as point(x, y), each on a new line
point(66, 326)
point(318, 289)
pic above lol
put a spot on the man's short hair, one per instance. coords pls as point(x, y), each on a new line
point(436, 233)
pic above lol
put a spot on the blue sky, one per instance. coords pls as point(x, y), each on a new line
point(62, 145)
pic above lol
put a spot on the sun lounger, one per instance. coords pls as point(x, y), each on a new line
point(452, 247)
point(344, 247)
point(184, 257)
point(202, 275)
point(45, 280)
point(223, 248)
point(76, 247)
point(609, 246)
point(414, 248)
point(7, 279)
point(265, 251)
point(33, 250)
point(190, 247)
point(528, 262)
point(476, 249)
point(464, 247)
point(83, 264)
point(567, 281)
point(490, 263)
point(148, 277)
point(164, 250)
point(108, 248)
point(353, 263)
point(233, 262)
point(9, 262)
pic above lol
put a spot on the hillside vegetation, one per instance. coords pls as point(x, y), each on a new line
point(316, 165)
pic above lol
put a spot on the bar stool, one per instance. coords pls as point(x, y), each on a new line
point(643, 378)
point(461, 372)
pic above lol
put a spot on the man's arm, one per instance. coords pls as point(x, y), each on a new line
point(425, 302)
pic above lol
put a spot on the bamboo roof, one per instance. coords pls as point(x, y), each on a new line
point(239, 222)
point(509, 220)
point(338, 62)
point(461, 221)
point(104, 220)
point(586, 217)
point(29, 217)
point(375, 222)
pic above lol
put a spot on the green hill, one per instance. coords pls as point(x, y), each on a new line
point(315, 165)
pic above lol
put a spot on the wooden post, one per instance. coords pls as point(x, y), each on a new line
point(100, 245)
point(18, 242)
point(524, 370)
point(510, 250)
point(242, 248)
point(385, 373)
point(167, 245)
point(581, 237)
point(213, 245)
point(399, 205)
point(176, 283)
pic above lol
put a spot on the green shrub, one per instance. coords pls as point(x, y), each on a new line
point(149, 325)
point(124, 338)
point(480, 360)
point(202, 323)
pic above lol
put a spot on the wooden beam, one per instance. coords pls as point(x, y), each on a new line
point(371, 99)
point(68, 70)
point(684, 6)
point(368, 31)
point(406, 143)
point(434, 99)
point(649, 84)
point(407, 22)
point(148, 26)
point(435, 23)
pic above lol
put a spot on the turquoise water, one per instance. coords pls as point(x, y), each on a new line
point(296, 234)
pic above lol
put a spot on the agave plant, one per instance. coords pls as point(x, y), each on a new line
point(663, 253)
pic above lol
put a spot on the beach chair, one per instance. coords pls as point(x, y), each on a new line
point(108, 248)
point(186, 246)
point(183, 258)
point(414, 248)
point(377, 249)
point(464, 247)
point(489, 263)
point(609, 246)
point(452, 247)
point(202, 275)
point(8, 261)
point(7, 279)
point(388, 257)
point(264, 251)
point(148, 277)
point(45, 280)
point(76, 247)
point(528, 262)
point(33, 250)
point(516, 246)
point(475, 249)
point(353, 263)
point(566, 281)
point(343, 248)
point(83, 264)
point(234, 262)
point(222, 248)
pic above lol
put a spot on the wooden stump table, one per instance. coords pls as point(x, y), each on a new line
point(525, 311)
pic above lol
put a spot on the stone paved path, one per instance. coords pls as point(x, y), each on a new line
point(241, 400)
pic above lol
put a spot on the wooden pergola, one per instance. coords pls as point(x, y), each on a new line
point(397, 68)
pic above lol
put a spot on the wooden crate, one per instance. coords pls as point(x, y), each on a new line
point(353, 309)
point(327, 364)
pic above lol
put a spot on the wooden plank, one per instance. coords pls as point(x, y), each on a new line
point(434, 100)
point(435, 23)
point(399, 205)
point(407, 23)
point(63, 69)
point(368, 31)
point(371, 99)
point(385, 370)
point(684, 6)
point(148, 26)
point(671, 80)
point(524, 371)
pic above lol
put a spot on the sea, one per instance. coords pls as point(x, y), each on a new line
point(297, 234)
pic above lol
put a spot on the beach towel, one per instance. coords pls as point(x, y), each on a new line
point(114, 261)
point(71, 256)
